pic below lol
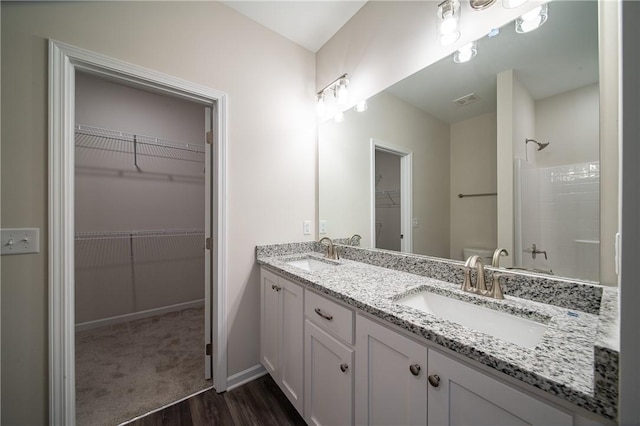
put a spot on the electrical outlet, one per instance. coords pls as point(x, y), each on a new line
point(306, 227)
point(323, 226)
point(20, 241)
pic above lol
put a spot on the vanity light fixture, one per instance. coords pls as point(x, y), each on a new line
point(448, 22)
point(511, 4)
point(465, 53)
point(532, 19)
point(361, 106)
point(340, 92)
point(339, 117)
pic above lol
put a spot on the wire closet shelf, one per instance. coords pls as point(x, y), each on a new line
point(107, 235)
point(138, 145)
point(388, 199)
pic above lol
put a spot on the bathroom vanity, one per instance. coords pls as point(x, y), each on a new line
point(357, 341)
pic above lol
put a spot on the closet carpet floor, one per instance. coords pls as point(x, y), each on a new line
point(126, 370)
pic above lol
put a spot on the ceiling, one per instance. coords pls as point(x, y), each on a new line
point(308, 23)
point(561, 55)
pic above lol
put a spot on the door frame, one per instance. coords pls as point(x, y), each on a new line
point(64, 60)
point(406, 192)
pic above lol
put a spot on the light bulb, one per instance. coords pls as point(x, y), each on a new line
point(448, 20)
point(449, 24)
point(532, 19)
point(339, 118)
point(465, 53)
point(342, 93)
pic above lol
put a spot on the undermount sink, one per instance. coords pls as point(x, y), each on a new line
point(311, 264)
point(517, 330)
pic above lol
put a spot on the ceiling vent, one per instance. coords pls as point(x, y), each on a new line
point(467, 99)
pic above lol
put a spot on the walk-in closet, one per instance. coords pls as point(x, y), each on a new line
point(139, 250)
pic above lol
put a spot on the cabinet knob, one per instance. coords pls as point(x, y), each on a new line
point(434, 380)
point(275, 287)
point(344, 367)
point(415, 369)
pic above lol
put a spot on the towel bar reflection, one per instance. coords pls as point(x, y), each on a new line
point(485, 194)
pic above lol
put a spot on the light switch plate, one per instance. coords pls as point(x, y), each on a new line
point(414, 222)
point(20, 240)
point(306, 227)
point(323, 226)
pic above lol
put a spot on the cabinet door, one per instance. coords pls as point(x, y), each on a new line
point(466, 396)
point(292, 345)
point(391, 385)
point(269, 322)
point(328, 379)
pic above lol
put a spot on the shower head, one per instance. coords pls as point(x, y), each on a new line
point(541, 146)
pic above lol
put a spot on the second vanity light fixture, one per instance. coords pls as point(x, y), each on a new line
point(448, 22)
point(340, 87)
point(466, 53)
point(532, 19)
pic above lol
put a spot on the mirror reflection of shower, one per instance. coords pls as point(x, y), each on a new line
point(541, 145)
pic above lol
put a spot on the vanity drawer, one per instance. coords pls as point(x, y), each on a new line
point(329, 315)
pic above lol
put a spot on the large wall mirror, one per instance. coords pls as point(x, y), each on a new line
point(418, 170)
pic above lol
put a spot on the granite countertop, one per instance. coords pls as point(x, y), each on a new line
point(563, 362)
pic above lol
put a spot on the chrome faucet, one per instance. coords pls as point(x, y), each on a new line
point(496, 256)
point(534, 251)
point(481, 286)
point(332, 252)
point(355, 238)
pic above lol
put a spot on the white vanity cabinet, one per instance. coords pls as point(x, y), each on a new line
point(342, 368)
point(329, 362)
point(391, 385)
point(401, 382)
point(462, 395)
point(282, 334)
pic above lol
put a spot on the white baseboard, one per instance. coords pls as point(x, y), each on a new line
point(245, 376)
point(139, 315)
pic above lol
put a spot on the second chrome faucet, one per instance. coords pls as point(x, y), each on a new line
point(475, 262)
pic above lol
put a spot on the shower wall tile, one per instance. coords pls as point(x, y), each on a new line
point(568, 223)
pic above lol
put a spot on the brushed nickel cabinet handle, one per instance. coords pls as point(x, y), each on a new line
point(344, 367)
point(415, 369)
point(323, 315)
point(434, 380)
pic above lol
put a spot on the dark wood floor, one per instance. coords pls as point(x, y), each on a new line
point(260, 402)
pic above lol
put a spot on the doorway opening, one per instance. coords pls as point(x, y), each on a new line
point(140, 281)
point(65, 65)
point(391, 197)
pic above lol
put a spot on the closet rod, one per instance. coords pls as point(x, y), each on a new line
point(137, 139)
point(104, 235)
